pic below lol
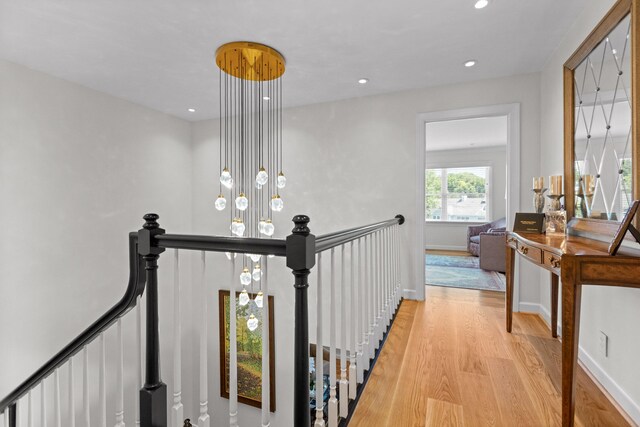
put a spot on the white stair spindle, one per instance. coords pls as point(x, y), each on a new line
point(86, 409)
point(71, 408)
point(102, 385)
point(379, 282)
point(376, 290)
point(319, 352)
point(177, 418)
point(57, 417)
point(119, 378)
point(371, 294)
point(333, 401)
point(138, 357)
point(398, 270)
point(203, 419)
point(353, 328)
point(361, 316)
point(266, 395)
point(233, 350)
point(29, 411)
point(387, 277)
point(344, 330)
point(43, 405)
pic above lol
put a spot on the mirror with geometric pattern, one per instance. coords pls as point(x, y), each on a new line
point(602, 129)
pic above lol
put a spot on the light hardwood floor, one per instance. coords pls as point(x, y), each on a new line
point(448, 361)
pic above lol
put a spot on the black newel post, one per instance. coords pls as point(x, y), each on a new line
point(301, 257)
point(13, 415)
point(153, 396)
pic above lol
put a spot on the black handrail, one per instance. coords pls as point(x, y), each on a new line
point(338, 238)
point(135, 288)
point(248, 245)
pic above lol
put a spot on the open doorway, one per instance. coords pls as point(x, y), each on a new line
point(469, 182)
point(465, 202)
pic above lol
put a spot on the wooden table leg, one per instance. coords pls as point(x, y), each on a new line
point(511, 257)
point(554, 305)
point(571, 296)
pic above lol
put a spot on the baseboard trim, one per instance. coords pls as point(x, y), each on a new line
point(445, 248)
point(410, 294)
point(618, 397)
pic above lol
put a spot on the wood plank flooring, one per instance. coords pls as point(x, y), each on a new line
point(448, 361)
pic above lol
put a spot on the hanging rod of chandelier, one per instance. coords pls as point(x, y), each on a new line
point(250, 167)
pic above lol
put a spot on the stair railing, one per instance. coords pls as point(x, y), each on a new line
point(373, 290)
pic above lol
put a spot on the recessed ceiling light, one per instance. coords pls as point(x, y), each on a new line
point(480, 4)
point(363, 81)
point(191, 110)
point(266, 98)
point(470, 63)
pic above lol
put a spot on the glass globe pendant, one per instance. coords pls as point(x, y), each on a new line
point(257, 273)
point(245, 277)
point(221, 202)
point(252, 323)
point(243, 299)
point(254, 257)
point(276, 203)
point(261, 225)
point(237, 227)
point(269, 229)
point(242, 203)
point(262, 177)
point(282, 180)
point(225, 178)
point(259, 300)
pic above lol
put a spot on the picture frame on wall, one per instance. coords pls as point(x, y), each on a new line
point(249, 352)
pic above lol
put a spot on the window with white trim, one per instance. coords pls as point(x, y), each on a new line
point(458, 194)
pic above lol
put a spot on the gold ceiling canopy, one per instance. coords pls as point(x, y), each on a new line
point(250, 61)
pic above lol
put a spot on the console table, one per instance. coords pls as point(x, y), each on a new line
point(577, 261)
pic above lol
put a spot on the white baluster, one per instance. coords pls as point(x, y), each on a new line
point(371, 294)
point(387, 278)
point(138, 356)
point(319, 352)
point(6, 418)
point(379, 285)
point(353, 329)
point(119, 378)
point(266, 395)
point(233, 350)
point(333, 401)
point(177, 418)
point(102, 385)
point(86, 410)
point(344, 383)
point(29, 411)
point(203, 419)
point(399, 271)
point(71, 403)
point(359, 304)
point(43, 405)
point(56, 400)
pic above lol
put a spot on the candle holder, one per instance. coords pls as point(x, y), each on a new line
point(538, 199)
point(585, 204)
point(554, 201)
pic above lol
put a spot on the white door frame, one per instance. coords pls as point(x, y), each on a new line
point(512, 111)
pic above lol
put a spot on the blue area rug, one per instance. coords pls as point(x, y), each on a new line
point(461, 272)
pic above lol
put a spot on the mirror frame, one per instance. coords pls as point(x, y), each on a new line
point(620, 10)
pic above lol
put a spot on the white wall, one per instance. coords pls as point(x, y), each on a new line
point(453, 235)
point(612, 310)
point(78, 169)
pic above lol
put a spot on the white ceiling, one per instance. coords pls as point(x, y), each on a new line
point(159, 53)
point(466, 133)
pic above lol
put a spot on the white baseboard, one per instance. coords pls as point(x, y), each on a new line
point(409, 294)
point(445, 248)
point(620, 397)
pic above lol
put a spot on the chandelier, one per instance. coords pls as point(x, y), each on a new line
point(250, 166)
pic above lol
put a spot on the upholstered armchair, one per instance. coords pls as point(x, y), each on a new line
point(488, 242)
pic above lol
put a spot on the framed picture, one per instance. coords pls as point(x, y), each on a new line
point(625, 226)
point(249, 352)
